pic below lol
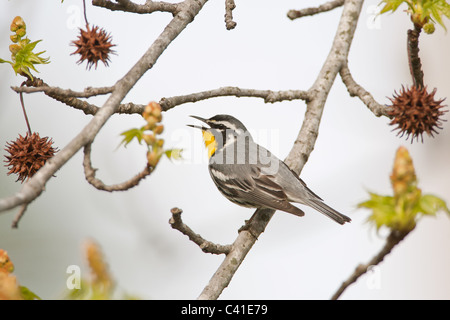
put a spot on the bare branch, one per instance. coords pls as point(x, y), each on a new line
point(33, 187)
point(355, 89)
point(229, 7)
point(19, 215)
point(131, 108)
point(304, 144)
point(239, 249)
point(86, 107)
point(205, 245)
point(394, 238)
point(62, 95)
point(86, 93)
point(129, 6)
point(268, 96)
point(89, 173)
point(415, 66)
point(294, 14)
point(301, 150)
point(69, 97)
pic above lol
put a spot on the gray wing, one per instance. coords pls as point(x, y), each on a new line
point(248, 186)
point(300, 193)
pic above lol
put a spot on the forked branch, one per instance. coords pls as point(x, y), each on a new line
point(205, 245)
point(355, 90)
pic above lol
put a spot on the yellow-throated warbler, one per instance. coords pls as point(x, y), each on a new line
point(250, 175)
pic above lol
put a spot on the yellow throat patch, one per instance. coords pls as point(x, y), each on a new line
point(210, 142)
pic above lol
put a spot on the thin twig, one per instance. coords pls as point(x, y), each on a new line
point(295, 14)
point(394, 238)
point(355, 90)
point(415, 66)
point(229, 7)
point(84, 12)
point(205, 245)
point(89, 173)
point(19, 215)
point(25, 112)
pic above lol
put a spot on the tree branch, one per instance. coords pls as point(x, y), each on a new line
point(268, 96)
point(86, 93)
point(34, 187)
point(62, 95)
point(415, 66)
point(129, 6)
point(394, 238)
point(304, 144)
point(229, 7)
point(69, 97)
point(300, 152)
point(355, 89)
point(19, 215)
point(205, 245)
point(89, 173)
point(295, 14)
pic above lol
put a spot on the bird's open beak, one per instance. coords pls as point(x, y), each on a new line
point(198, 127)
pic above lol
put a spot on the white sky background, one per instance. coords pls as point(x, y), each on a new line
point(295, 258)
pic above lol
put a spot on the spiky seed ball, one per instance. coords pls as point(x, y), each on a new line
point(93, 45)
point(28, 154)
point(415, 111)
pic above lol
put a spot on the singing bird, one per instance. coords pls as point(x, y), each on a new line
point(250, 175)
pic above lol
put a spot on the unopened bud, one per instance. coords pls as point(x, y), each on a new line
point(151, 122)
point(154, 105)
point(156, 112)
point(429, 27)
point(160, 143)
point(14, 38)
point(403, 176)
point(153, 158)
point(21, 32)
point(158, 129)
point(14, 48)
point(147, 112)
point(149, 139)
point(17, 23)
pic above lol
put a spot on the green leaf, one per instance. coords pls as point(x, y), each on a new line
point(79, 294)
point(421, 10)
point(430, 205)
point(129, 135)
point(391, 5)
point(383, 209)
point(5, 61)
point(174, 154)
point(435, 12)
point(27, 294)
point(23, 58)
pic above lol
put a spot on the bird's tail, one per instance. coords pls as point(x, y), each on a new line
point(328, 211)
